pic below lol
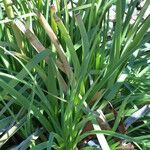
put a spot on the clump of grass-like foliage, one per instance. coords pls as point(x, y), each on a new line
point(74, 71)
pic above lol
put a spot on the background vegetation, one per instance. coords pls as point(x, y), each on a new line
point(72, 72)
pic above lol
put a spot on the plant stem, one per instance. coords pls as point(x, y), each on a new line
point(10, 13)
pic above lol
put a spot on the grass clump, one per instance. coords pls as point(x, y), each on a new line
point(80, 75)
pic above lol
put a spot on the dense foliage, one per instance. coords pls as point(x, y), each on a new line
point(73, 72)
